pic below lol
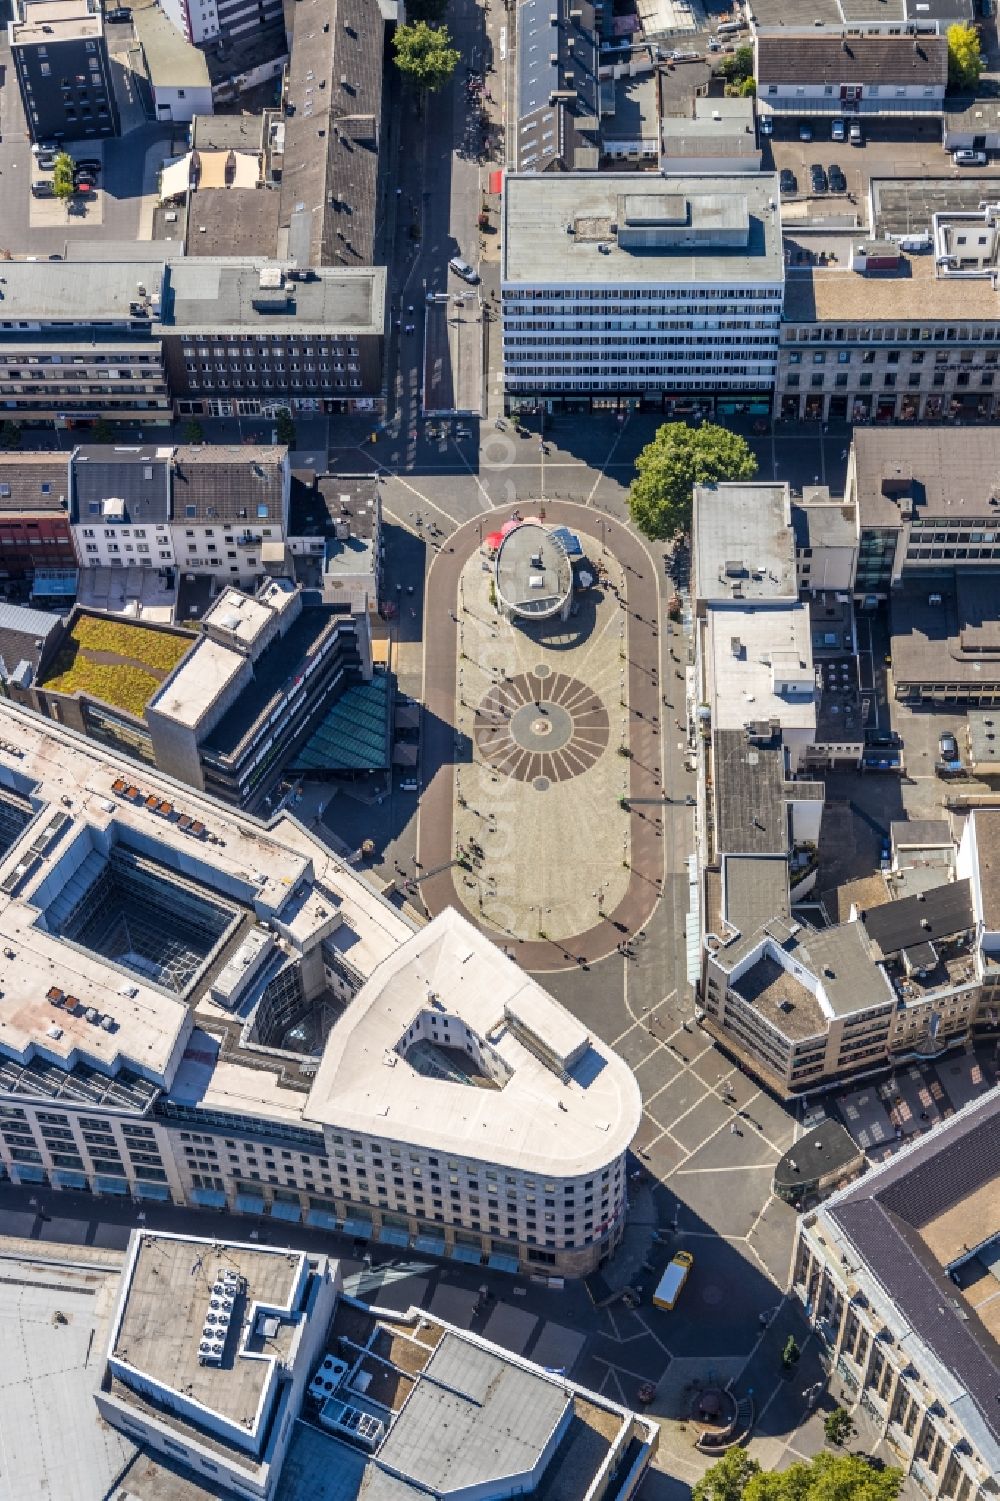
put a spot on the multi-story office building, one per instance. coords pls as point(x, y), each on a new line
point(216, 1012)
point(250, 693)
point(245, 337)
point(929, 514)
point(895, 1275)
point(78, 343)
point(900, 336)
point(657, 292)
point(85, 340)
point(60, 56)
point(36, 546)
point(311, 1383)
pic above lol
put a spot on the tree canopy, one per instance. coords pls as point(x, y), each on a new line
point(63, 184)
point(424, 54)
point(678, 458)
point(965, 61)
point(827, 1477)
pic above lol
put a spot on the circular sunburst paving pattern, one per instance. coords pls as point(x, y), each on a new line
point(541, 724)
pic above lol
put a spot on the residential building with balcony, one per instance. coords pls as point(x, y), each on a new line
point(654, 292)
point(234, 1018)
point(895, 1273)
point(60, 56)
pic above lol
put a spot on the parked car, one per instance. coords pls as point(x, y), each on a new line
point(838, 130)
point(81, 174)
point(118, 13)
point(88, 164)
point(765, 124)
point(786, 181)
point(947, 746)
point(817, 178)
point(45, 148)
point(969, 158)
point(45, 163)
point(838, 182)
point(855, 134)
point(43, 190)
point(805, 132)
point(463, 269)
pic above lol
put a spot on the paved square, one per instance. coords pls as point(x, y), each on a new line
point(510, 1327)
point(558, 1346)
point(540, 703)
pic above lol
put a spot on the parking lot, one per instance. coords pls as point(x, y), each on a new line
point(902, 151)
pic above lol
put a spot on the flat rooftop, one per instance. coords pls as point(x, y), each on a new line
point(191, 877)
point(752, 655)
point(817, 295)
point(954, 642)
point(172, 60)
point(57, 291)
point(951, 473)
point(539, 250)
point(743, 545)
point(205, 293)
point(167, 1295)
point(53, 21)
point(534, 573)
point(752, 793)
point(534, 1121)
point(279, 661)
point(471, 1416)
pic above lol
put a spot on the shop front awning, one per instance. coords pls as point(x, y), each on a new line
point(152, 1191)
point(103, 1185)
point(286, 1209)
point(360, 1229)
point(471, 1255)
point(430, 1245)
point(249, 1203)
point(389, 1235)
point(500, 1263)
point(322, 1219)
point(207, 1198)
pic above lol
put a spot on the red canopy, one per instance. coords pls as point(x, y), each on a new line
point(496, 181)
point(509, 526)
point(493, 540)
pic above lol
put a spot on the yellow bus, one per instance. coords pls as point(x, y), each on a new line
point(669, 1287)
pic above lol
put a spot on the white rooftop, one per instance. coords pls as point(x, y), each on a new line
point(198, 682)
point(743, 545)
point(289, 882)
point(535, 1122)
point(760, 667)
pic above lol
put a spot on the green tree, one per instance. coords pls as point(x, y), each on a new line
point(965, 62)
point(102, 431)
point(678, 458)
point(63, 184)
point(839, 1426)
point(728, 1477)
point(828, 1477)
point(10, 435)
point(425, 55)
point(791, 1352)
point(284, 427)
point(194, 432)
point(738, 65)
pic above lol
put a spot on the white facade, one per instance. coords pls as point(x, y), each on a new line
point(517, 1157)
point(100, 545)
point(590, 305)
point(180, 105)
